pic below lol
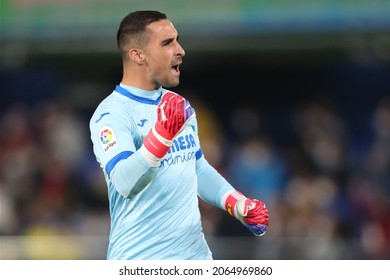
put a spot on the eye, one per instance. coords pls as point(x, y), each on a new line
point(166, 42)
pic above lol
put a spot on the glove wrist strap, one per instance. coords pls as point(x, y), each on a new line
point(156, 144)
point(231, 201)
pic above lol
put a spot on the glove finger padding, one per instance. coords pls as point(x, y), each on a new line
point(257, 213)
point(257, 229)
point(253, 214)
point(173, 113)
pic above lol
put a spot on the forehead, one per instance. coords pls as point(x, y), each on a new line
point(162, 29)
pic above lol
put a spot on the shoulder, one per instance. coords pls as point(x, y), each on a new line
point(111, 109)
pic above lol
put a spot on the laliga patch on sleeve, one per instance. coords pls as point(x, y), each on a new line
point(108, 139)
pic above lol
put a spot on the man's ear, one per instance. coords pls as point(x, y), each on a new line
point(137, 55)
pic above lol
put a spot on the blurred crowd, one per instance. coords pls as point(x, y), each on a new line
point(328, 195)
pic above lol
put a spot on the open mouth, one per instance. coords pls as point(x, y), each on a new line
point(175, 69)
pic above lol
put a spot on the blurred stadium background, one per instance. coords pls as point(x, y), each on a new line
point(293, 100)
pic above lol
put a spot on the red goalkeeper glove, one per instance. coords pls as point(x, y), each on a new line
point(250, 212)
point(173, 114)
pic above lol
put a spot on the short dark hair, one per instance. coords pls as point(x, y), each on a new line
point(133, 26)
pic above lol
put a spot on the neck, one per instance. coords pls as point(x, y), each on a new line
point(136, 78)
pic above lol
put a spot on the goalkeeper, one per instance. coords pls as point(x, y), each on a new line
point(145, 138)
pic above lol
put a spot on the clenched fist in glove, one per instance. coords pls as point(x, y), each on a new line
point(250, 212)
point(173, 114)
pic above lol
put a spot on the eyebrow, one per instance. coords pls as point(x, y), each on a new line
point(169, 40)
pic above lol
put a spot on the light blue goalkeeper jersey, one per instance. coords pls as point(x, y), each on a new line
point(154, 210)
